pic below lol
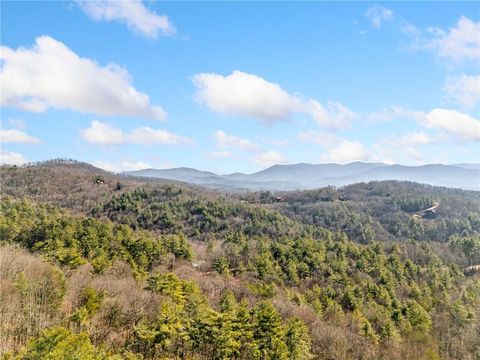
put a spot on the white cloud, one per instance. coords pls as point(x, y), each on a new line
point(225, 141)
point(102, 133)
point(334, 115)
point(11, 158)
point(337, 149)
point(459, 43)
point(378, 14)
point(249, 95)
point(17, 136)
point(411, 139)
point(403, 148)
point(270, 158)
point(123, 165)
point(131, 12)
point(50, 75)
point(453, 122)
point(389, 149)
point(105, 134)
point(245, 95)
point(148, 136)
point(346, 151)
point(463, 89)
point(220, 154)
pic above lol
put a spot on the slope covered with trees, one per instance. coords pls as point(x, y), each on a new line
point(121, 268)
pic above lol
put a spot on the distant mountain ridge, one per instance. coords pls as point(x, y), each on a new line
point(308, 176)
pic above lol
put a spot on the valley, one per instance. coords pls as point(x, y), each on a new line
point(148, 268)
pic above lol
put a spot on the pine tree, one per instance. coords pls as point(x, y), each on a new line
point(298, 340)
point(269, 332)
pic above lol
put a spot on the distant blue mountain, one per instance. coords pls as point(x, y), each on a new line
point(309, 176)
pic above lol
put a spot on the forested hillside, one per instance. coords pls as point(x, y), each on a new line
point(99, 266)
point(383, 211)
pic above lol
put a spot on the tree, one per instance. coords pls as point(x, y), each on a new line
point(469, 245)
point(298, 340)
point(60, 343)
point(418, 316)
point(269, 332)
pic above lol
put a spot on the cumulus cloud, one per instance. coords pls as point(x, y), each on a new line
point(337, 149)
point(346, 151)
point(453, 122)
point(270, 158)
point(122, 165)
point(17, 136)
point(459, 43)
point(11, 158)
point(246, 95)
point(104, 134)
point(225, 140)
point(50, 75)
point(463, 89)
point(249, 95)
point(378, 14)
point(133, 13)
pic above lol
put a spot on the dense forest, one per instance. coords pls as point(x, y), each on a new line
point(101, 266)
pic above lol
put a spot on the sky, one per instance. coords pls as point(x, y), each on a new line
point(239, 86)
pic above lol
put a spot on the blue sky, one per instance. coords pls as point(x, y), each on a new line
point(239, 86)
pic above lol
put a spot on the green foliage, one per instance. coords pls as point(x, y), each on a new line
point(89, 304)
point(71, 241)
point(221, 265)
point(298, 340)
point(269, 332)
point(405, 293)
point(171, 209)
point(186, 323)
point(383, 210)
point(418, 316)
point(469, 245)
point(60, 343)
point(169, 285)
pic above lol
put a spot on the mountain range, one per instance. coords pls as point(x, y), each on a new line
point(308, 176)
